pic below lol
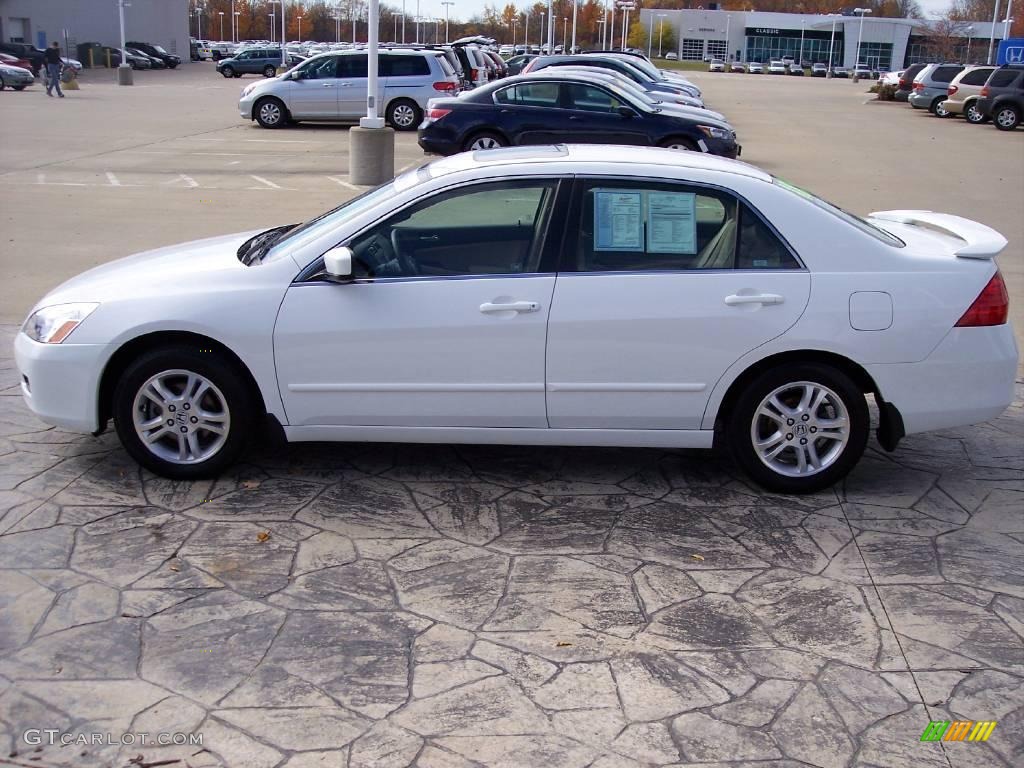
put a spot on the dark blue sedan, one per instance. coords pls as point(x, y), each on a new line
point(534, 109)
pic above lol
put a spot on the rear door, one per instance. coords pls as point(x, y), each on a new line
point(662, 287)
point(352, 74)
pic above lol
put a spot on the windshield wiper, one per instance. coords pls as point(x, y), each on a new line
point(255, 248)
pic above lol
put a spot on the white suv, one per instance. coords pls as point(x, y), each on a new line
point(332, 86)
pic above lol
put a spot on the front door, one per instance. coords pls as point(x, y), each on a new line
point(444, 324)
point(595, 117)
point(666, 286)
point(531, 113)
point(313, 93)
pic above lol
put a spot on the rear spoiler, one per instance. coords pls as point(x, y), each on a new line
point(980, 242)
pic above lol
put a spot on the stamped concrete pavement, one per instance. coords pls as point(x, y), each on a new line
point(461, 607)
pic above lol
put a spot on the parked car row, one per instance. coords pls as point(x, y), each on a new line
point(980, 93)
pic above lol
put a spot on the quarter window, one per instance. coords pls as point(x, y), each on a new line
point(488, 229)
point(976, 77)
point(1002, 78)
point(403, 66)
point(529, 95)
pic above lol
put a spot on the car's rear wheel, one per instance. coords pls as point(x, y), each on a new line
point(270, 113)
point(973, 115)
point(799, 428)
point(269, 71)
point(937, 109)
point(228, 71)
point(485, 140)
point(183, 413)
point(404, 115)
point(680, 143)
point(18, 87)
point(1006, 117)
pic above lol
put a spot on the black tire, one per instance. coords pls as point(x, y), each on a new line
point(18, 87)
point(937, 109)
point(681, 143)
point(171, 65)
point(1006, 117)
point(269, 71)
point(216, 56)
point(270, 113)
point(404, 115)
point(228, 384)
point(238, 74)
point(228, 71)
point(744, 422)
point(484, 140)
point(972, 115)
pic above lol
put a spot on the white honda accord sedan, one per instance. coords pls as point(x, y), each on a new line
point(569, 295)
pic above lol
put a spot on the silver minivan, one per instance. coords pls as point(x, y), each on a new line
point(332, 87)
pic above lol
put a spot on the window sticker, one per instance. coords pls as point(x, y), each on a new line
point(618, 220)
point(672, 222)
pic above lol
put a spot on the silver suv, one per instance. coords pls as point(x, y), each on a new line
point(931, 87)
point(332, 86)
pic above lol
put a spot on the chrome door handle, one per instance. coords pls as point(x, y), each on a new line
point(514, 306)
point(328, 85)
point(344, 83)
point(754, 298)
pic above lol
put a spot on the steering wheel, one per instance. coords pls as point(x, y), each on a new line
point(406, 262)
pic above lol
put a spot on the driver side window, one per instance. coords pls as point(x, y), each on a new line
point(486, 229)
point(321, 69)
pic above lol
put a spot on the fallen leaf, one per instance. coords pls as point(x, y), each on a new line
point(251, 484)
point(697, 557)
point(262, 536)
point(562, 644)
point(175, 566)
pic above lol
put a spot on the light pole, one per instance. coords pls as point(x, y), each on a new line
point(551, 27)
point(611, 31)
point(526, 31)
point(992, 34)
point(221, 14)
point(970, 30)
point(575, 6)
point(831, 43)
point(447, 5)
point(565, 32)
point(602, 23)
point(235, 35)
point(1007, 21)
point(800, 60)
point(661, 31)
point(284, 33)
point(650, 37)
point(860, 35)
point(417, 21)
point(728, 23)
point(337, 28)
point(300, 27)
point(352, 6)
point(124, 70)
point(199, 21)
point(272, 17)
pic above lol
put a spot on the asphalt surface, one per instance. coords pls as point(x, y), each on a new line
point(385, 606)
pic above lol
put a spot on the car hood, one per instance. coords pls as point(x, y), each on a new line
point(169, 269)
point(696, 113)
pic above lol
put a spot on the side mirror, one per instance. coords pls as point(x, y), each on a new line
point(299, 74)
point(626, 112)
point(338, 264)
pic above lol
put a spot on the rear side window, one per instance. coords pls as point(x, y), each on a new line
point(945, 74)
point(529, 95)
point(976, 77)
point(352, 66)
point(1002, 78)
point(404, 66)
point(445, 65)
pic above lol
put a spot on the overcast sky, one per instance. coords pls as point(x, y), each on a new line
point(464, 9)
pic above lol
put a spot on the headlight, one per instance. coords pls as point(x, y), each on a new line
point(51, 325)
point(716, 133)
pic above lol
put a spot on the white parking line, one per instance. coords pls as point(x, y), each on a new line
point(113, 180)
point(338, 180)
point(41, 179)
point(189, 181)
point(268, 182)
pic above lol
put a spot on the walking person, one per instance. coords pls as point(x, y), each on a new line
point(54, 65)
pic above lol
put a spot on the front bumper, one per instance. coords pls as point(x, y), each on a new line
point(967, 379)
point(953, 107)
point(60, 382)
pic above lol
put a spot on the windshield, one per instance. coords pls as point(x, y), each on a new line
point(645, 66)
point(159, 49)
point(846, 216)
point(306, 233)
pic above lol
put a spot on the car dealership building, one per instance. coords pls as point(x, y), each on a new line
point(40, 22)
point(885, 44)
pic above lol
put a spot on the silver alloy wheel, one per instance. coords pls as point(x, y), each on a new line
point(270, 113)
point(677, 145)
point(485, 142)
point(800, 429)
point(1006, 117)
point(403, 115)
point(941, 111)
point(181, 417)
point(972, 113)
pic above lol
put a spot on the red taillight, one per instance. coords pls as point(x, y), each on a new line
point(918, 86)
point(444, 85)
point(903, 83)
point(990, 308)
point(436, 114)
point(952, 90)
point(985, 91)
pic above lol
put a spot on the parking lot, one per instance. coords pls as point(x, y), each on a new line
point(457, 607)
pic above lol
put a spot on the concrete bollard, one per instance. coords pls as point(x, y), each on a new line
point(124, 75)
point(371, 155)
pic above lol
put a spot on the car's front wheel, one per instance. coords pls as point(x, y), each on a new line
point(228, 71)
point(182, 412)
point(1006, 117)
point(973, 115)
point(270, 113)
point(799, 428)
